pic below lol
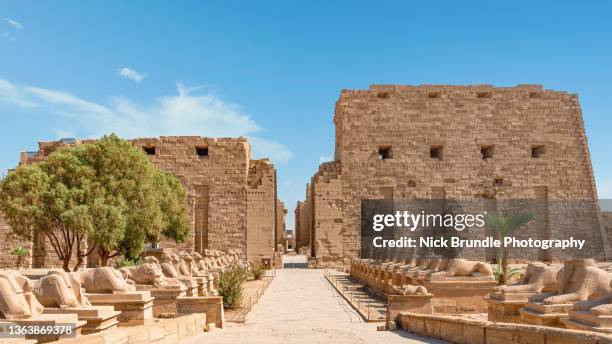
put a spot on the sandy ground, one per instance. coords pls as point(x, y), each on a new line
point(301, 307)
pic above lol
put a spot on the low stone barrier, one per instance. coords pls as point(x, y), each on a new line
point(459, 330)
point(212, 306)
point(172, 330)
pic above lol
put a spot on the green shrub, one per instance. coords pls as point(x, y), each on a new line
point(231, 285)
point(126, 262)
point(258, 270)
point(21, 253)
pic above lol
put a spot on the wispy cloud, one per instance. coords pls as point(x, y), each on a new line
point(7, 36)
point(325, 158)
point(131, 74)
point(188, 112)
point(15, 24)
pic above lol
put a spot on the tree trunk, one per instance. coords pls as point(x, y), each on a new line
point(103, 256)
point(79, 262)
point(66, 265)
point(504, 267)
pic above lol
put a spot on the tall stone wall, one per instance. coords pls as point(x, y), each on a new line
point(261, 210)
point(231, 197)
point(450, 142)
point(280, 235)
point(8, 243)
point(327, 228)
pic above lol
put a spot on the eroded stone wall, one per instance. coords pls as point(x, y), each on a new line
point(261, 210)
point(450, 142)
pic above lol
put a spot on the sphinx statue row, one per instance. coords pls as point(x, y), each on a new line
point(128, 294)
point(460, 283)
point(400, 277)
point(576, 294)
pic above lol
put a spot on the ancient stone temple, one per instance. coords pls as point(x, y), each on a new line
point(448, 142)
point(232, 197)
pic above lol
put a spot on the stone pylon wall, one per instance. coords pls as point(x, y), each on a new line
point(459, 123)
point(229, 194)
point(261, 210)
point(280, 234)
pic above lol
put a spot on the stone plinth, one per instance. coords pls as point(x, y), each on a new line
point(212, 306)
point(587, 321)
point(468, 293)
point(44, 320)
point(191, 286)
point(135, 307)
point(164, 298)
point(98, 318)
point(397, 304)
point(504, 307)
point(537, 313)
point(202, 286)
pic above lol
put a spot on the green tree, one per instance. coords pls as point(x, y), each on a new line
point(504, 225)
point(106, 194)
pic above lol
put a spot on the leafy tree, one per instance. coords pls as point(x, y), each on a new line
point(106, 192)
point(175, 222)
point(504, 225)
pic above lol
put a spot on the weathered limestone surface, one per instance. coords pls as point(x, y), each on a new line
point(578, 280)
point(473, 331)
point(407, 121)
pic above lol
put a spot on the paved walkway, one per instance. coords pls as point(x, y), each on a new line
point(301, 307)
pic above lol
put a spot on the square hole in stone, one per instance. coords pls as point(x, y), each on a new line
point(498, 182)
point(149, 150)
point(436, 152)
point(486, 151)
point(384, 152)
point(537, 151)
point(202, 152)
point(434, 95)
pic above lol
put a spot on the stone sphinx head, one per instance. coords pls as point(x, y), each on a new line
point(104, 279)
point(149, 272)
point(196, 256)
point(60, 289)
point(16, 298)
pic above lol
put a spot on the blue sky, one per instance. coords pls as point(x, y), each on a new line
point(272, 70)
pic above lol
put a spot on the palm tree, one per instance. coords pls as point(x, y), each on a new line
point(504, 225)
point(21, 252)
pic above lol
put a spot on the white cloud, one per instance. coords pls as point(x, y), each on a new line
point(7, 36)
point(15, 24)
point(325, 158)
point(131, 74)
point(183, 113)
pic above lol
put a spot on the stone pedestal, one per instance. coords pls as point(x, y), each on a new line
point(397, 304)
point(504, 307)
point(43, 320)
point(191, 286)
point(537, 313)
point(212, 306)
point(98, 318)
point(135, 307)
point(587, 321)
point(164, 302)
point(202, 286)
point(468, 293)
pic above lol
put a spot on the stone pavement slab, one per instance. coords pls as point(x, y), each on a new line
point(301, 307)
